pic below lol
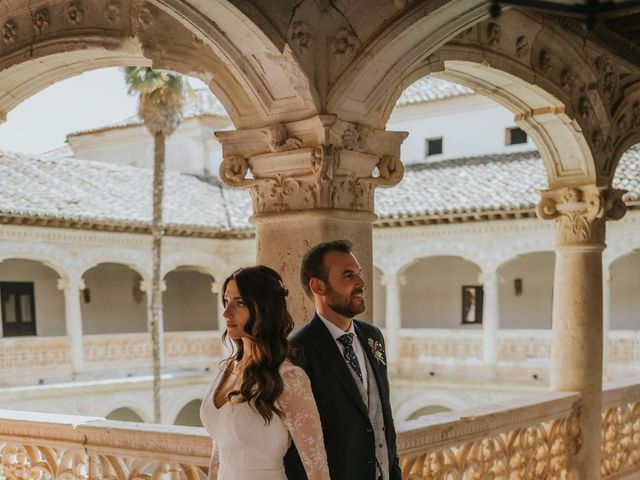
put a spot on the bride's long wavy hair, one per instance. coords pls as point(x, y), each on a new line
point(269, 324)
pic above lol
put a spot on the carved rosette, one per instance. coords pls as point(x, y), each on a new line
point(320, 163)
point(581, 213)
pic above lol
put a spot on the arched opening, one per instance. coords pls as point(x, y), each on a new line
point(526, 291)
point(436, 294)
point(124, 414)
point(113, 300)
point(428, 410)
point(380, 299)
point(32, 304)
point(189, 415)
point(188, 302)
point(625, 292)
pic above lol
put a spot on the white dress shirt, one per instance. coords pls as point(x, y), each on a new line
point(357, 347)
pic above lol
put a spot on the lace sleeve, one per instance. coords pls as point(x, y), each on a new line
point(303, 422)
point(214, 464)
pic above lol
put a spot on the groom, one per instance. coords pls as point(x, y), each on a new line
point(346, 363)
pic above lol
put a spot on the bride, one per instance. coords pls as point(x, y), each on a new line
point(260, 402)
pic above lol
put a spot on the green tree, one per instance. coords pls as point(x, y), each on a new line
point(160, 100)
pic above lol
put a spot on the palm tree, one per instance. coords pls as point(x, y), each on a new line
point(160, 102)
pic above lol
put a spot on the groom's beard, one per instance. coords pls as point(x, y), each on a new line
point(346, 305)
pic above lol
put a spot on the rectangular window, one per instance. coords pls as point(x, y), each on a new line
point(515, 136)
point(433, 146)
point(472, 301)
point(18, 309)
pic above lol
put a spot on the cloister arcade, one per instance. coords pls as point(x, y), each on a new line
point(310, 89)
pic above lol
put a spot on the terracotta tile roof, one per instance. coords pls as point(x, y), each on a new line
point(429, 89)
point(89, 194)
point(97, 193)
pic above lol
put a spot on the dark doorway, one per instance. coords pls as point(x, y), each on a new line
point(18, 309)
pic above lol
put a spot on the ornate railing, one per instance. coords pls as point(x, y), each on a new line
point(180, 349)
point(531, 438)
point(620, 431)
point(523, 351)
point(37, 446)
point(37, 357)
point(440, 345)
point(25, 360)
point(526, 439)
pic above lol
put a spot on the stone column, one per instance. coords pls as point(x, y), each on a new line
point(216, 289)
point(490, 317)
point(606, 319)
point(393, 315)
point(311, 181)
point(73, 320)
point(576, 352)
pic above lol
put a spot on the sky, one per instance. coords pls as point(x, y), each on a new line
point(90, 100)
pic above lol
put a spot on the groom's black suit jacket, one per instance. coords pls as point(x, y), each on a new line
point(348, 434)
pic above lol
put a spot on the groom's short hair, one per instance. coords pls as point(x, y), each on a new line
point(313, 262)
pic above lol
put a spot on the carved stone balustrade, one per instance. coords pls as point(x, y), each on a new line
point(37, 446)
point(521, 353)
point(26, 360)
point(532, 438)
point(620, 431)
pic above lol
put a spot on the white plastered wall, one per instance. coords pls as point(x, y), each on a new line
point(188, 302)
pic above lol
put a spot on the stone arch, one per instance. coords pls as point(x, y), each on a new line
point(114, 300)
point(257, 82)
point(435, 301)
point(417, 401)
point(422, 250)
point(137, 260)
point(56, 259)
point(204, 263)
point(624, 286)
point(189, 414)
point(570, 95)
point(124, 414)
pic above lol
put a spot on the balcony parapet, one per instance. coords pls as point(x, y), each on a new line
point(528, 438)
point(620, 431)
point(33, 444)
point(26, 360)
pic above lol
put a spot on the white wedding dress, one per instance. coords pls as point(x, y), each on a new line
point(248, 449)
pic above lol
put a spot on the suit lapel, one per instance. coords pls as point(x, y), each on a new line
point(375, 366)
point(330, 353)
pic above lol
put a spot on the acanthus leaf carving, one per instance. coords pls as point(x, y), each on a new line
point(355, 137)
point(581, 213)
point(279, 140)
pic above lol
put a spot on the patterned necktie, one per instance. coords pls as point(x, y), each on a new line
point(350, 354)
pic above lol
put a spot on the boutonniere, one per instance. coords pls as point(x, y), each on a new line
point(377, 351)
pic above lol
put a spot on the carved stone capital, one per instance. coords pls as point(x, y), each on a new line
point(71, 285)
point(321, 162)
point(581, 212)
